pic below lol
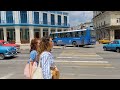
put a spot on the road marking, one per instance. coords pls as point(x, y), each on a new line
point(81, 57)
point(7, 76)
point(83, 61)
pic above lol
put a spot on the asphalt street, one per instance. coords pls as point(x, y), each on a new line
point(89, 62)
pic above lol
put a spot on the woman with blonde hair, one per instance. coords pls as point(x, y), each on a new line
point(45, 57)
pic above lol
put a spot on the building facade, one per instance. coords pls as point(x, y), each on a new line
point(22, 26)
point(107, 24)
point(82, 25)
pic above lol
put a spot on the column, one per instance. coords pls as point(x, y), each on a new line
point(30, 17)
point(16, 17)
point(3, 16)
point(49, 31)
point(56, 19)
point(41, 31)
point(5, 33)
point(41, 17)
point(49, 18)
point(111, 35)
point(62, 29)
point(31, 33)
point(56, 29)
point(68, 20)
point(17, 35)
point(62, 19)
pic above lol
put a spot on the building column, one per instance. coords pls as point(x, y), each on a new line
point(16, 17)
point(49, 31)
point(62, 29)
point(5, 33)
point(56, 29)
point(111, 34)
point(30, 17)
point(41, 31)
point(62, 19)
point(41, 17)
point(56, 19)
point(3, 16)
point(68, 20)
point(17, 35)
point(31, 33)
point(49, 18)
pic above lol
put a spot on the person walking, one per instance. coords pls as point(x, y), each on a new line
point(32, 58)
point(45, 57)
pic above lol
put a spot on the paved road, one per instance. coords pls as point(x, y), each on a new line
point(73, 62)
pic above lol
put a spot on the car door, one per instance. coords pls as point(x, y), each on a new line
point(113, 45)
point(109, 45)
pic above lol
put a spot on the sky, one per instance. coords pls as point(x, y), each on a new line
point(77, 17)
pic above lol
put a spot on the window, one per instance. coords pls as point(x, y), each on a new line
point(116, 42)
point(44, 18)
point(118, 20)
point(59, 20)
point(23, 16)
point(65, 20)
point(36, 17)
point(9, 17)
point(52, 19)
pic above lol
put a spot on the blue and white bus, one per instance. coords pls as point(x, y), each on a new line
point(80, 37)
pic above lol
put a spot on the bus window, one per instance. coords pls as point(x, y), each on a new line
point(76, 34)
point(61, 35)
point(58, 35)
point(73, 34)
point(83, 33)
point(68, 34)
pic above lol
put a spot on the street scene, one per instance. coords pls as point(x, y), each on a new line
point(84, 44)
point(90, 62)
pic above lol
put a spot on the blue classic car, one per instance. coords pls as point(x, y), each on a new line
point(113, 46)
point(7, 51)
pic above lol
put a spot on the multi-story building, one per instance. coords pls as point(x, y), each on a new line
point(22, 26)
point(107, 24)
point(82, 25)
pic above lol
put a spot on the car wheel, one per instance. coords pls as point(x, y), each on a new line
point(118, 50)
point(2, 56)
point(105, 49)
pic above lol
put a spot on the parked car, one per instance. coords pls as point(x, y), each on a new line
point(104, 41)
point(114, 46)
point(5, 43)
point(7, 51)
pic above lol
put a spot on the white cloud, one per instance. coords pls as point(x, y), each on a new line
point(77, 17)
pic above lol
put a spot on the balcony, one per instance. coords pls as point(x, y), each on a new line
point(41, 24)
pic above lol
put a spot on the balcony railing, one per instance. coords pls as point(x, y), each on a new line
point(40, 24)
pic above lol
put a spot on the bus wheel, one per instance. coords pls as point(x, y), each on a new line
point(74, 43)
point(55, 43)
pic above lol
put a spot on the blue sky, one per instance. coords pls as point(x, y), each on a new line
point(77, 17)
